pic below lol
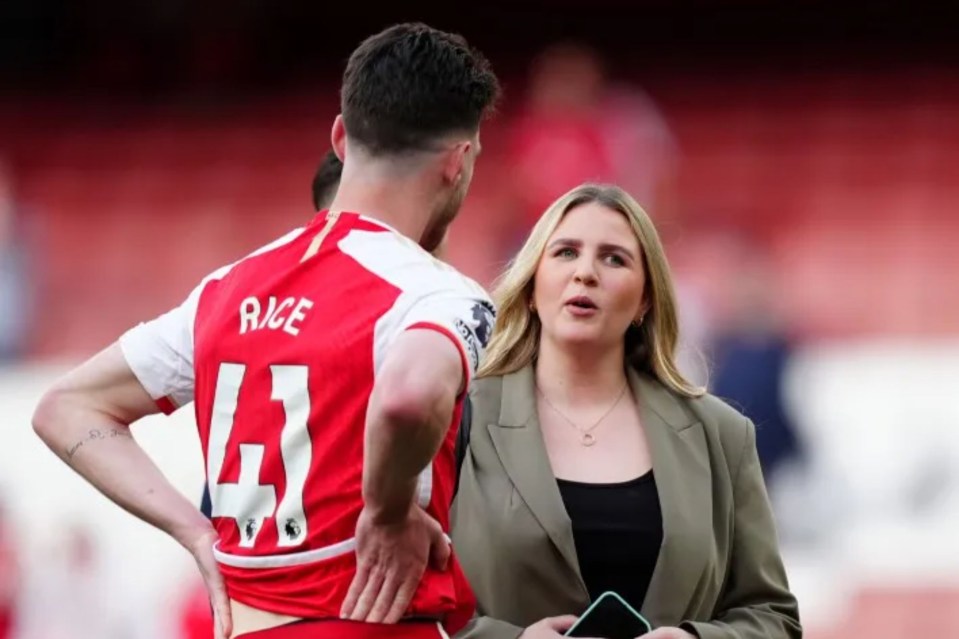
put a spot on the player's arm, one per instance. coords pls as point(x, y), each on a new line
point(429, 363)
point(409, 413)
point(410, 410)
point(85, 419)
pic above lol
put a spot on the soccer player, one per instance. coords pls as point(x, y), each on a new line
point(326, 180)
point(326, 369)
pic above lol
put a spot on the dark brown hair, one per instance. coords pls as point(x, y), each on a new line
point(409, 85)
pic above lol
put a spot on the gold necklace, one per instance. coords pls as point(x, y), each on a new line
point(586, 436)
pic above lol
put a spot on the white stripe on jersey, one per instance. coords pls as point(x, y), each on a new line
point(291, 559)
point(282, 561)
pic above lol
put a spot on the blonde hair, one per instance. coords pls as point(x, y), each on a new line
point(650, 348)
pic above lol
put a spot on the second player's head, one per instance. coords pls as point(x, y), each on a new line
point(415, 96)
point(326, 180)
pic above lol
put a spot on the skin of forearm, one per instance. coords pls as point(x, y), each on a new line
point(102, 450)
point(397, 451)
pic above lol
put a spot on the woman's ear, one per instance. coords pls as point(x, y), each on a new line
point(644, 307)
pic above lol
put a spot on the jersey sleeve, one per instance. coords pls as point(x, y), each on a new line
point(160, 354)
point(465, 317)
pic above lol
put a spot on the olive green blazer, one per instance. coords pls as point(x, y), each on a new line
point(719, 574)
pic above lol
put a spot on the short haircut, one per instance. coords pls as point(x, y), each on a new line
point(326, 181)
point(409, 85)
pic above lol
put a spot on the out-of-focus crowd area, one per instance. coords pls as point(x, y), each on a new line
point(801, 165)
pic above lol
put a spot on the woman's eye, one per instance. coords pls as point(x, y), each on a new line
point(615, 260)
point(566, 252)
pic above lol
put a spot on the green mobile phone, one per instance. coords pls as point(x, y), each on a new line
point(610, 617)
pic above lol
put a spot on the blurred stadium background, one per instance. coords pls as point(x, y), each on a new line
point(799, 159)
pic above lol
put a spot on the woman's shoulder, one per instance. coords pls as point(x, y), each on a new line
point(483, 388)
point(711, 408)
point(719, 419)
point(486, 395)
point(727, 424)
point(706, 408)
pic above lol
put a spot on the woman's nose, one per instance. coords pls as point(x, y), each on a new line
point(585, 273)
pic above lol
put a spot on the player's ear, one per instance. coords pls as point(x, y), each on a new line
point(338, 137)
point(455, 163)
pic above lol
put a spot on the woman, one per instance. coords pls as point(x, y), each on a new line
point(593, 465)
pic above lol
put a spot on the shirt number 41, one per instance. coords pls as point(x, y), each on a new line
point(248, 501)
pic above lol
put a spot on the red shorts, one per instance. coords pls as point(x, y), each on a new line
point(342, 629)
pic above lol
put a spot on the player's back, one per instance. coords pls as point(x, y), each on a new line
point(287, 343)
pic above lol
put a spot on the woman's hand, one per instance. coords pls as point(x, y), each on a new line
point(668, 632)
point(549, 628)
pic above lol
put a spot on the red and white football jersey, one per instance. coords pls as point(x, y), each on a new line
point(280, 352)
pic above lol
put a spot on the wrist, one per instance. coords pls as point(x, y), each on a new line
point(388, 514)
point(392, 506)
point(194, 534)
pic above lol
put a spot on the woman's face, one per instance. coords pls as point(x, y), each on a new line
point(590, 280)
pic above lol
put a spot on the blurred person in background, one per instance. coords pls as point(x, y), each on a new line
point(348, 524)
point(69, 593)
point(602, 466)
point(578, 125)
point(14, 301)
point(751, 351)
point(10, 587)
point(195, 617)
point(326, 180)
point(642, 148)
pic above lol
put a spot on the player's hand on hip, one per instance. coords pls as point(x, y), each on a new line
point(668, 632)
point(390, 561)
point(549, 628)
point(200, 546)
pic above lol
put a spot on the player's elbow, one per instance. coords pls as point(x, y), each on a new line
point(49, 412)
point(417, 385)
point(408, 404)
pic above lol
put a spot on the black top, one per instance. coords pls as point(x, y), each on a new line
point(618, 530)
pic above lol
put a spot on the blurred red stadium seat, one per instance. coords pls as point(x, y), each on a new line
point(852, 186)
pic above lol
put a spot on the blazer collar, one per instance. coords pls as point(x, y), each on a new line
point(683, 478)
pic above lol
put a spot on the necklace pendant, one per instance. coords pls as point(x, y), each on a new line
point(587, 439)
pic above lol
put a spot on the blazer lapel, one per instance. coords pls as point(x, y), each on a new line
point(681, 466)
point(519, 444)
